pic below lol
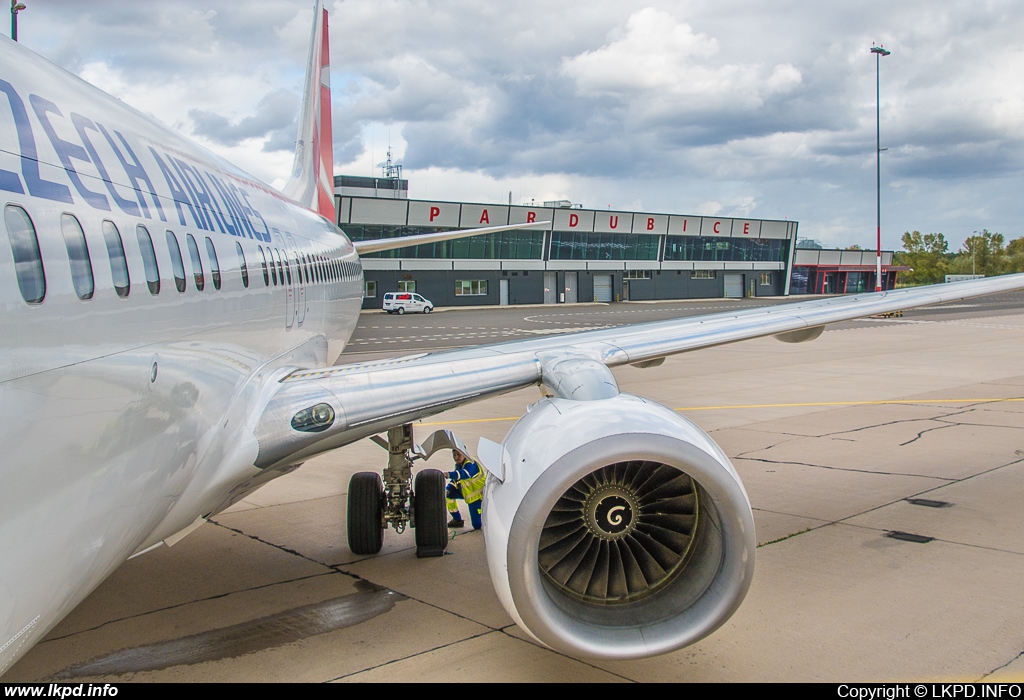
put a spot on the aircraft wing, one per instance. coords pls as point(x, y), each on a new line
point(368, 398)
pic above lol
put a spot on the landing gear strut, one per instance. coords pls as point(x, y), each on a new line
point(375, 504)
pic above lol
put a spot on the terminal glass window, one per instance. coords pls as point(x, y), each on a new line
point(705, 248)
point(800, 280)
point(571, 245)
point(28, 264)
point(78, 255)
point(118, 263)
point(470, 288)
point(857, 282)
point(369, 289)
point(703, 274)
point(506, 245)
point(636, 275)
point(406, 285)
point(765, 278)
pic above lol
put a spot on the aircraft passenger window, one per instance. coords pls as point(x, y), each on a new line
point(273, 265)
point(149, 259)
point(276, 254)
point(177, 264)
point(78, 256)
point(281, 269)
point(266, 275)
point(118, 263)
point(241, 264)
point(28, 264)
point(211, 252)
point(197, 262)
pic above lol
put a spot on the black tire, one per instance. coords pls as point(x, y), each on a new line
point(365, 513)
point(401, 310)
point(428, 309)
point(431, 524)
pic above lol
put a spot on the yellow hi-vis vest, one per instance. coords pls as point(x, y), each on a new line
point(473, 486)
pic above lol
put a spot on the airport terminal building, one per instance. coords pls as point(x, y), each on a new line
point(582, 255)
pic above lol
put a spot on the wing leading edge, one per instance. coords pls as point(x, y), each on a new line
point(367, 398)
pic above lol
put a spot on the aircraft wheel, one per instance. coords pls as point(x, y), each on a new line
point(401, 310)
point(431, 514)
point(365, 513)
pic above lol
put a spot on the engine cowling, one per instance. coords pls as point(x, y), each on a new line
point(620, 530)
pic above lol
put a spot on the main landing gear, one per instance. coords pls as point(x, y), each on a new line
point(397, 501)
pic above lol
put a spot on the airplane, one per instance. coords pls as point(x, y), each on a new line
point(172, 325)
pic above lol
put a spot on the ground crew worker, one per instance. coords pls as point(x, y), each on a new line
point(467, 483)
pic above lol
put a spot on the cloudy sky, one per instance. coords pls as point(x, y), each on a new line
point(691, 106)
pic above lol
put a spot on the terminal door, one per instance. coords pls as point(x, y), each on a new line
point(733, 285)
point(571, 285)
point(550, 287)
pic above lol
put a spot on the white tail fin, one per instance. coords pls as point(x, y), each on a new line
point(312, 179)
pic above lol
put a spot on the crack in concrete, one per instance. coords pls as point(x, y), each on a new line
point(887, 423)
point(412, 656)
point(937, 539)
point(921, 433)
point(743, 455)
point(846, 469)
point(999, 668)
point(280, 547)
point(934, 488)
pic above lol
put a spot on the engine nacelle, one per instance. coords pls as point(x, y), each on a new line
point(621, 530)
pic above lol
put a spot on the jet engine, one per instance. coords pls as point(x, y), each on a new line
point(617, 528)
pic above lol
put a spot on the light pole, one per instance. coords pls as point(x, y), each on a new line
point(974, 253)
point(16, 7)
point(879, 52)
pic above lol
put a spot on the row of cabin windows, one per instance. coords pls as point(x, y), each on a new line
point(276, 267)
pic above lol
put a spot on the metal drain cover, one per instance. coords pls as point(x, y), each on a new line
point(908, 537)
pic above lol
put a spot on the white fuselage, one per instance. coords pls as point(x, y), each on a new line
point(124, 418)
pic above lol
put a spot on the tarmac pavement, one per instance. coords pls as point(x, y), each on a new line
point(830, 437)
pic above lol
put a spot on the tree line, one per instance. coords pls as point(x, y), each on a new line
point(984, 253)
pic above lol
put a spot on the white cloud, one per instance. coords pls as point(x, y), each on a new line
point(678, 105)
point(655, 53)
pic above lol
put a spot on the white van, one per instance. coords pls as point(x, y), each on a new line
point(400, 302)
